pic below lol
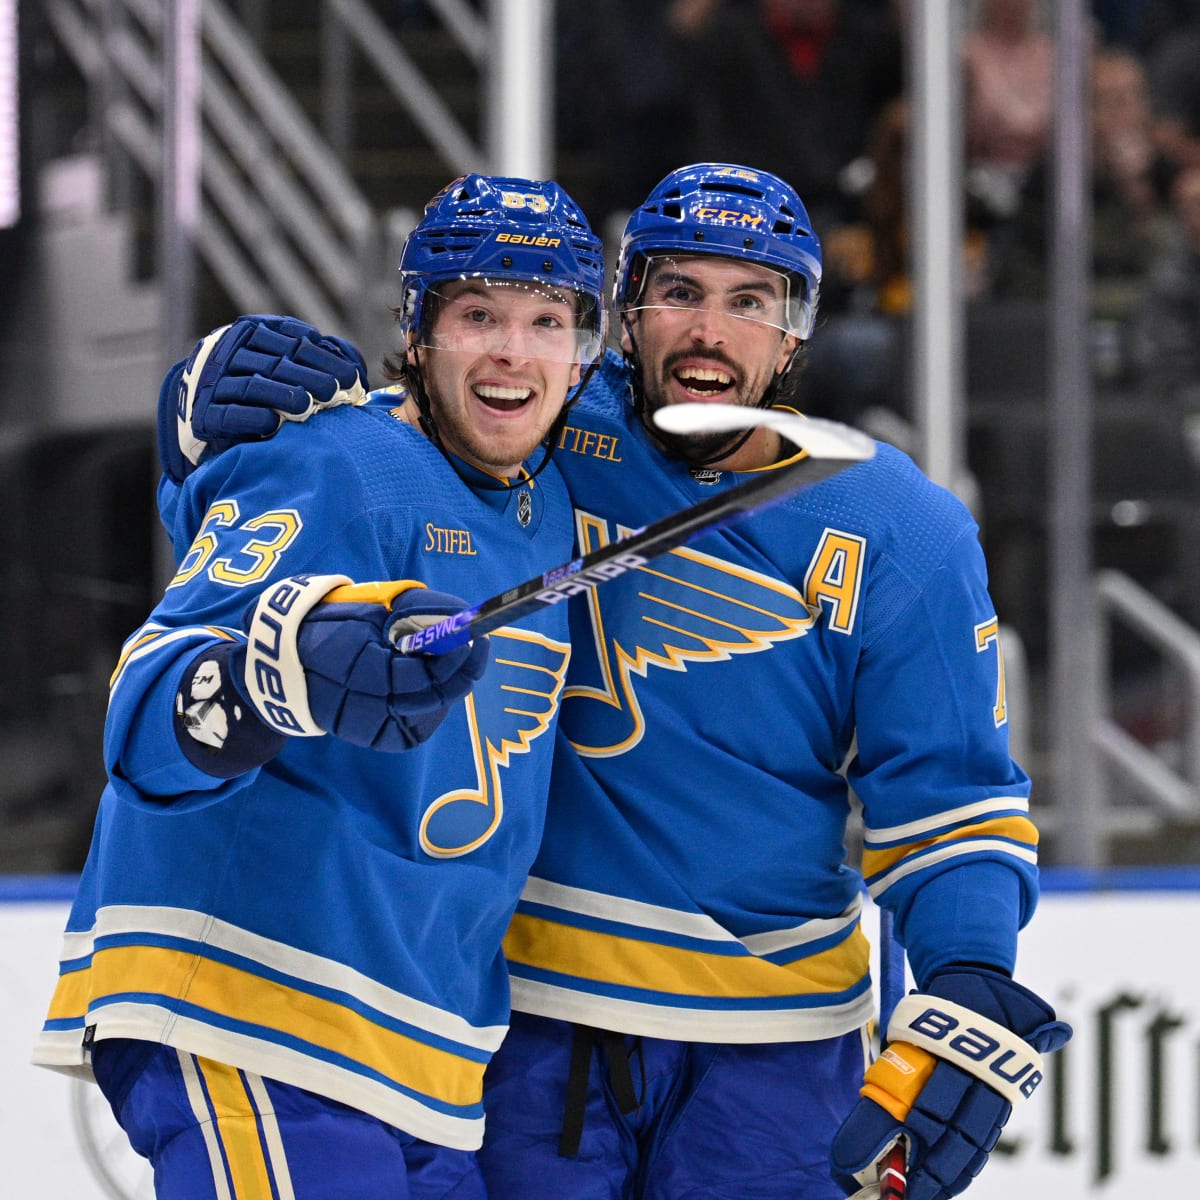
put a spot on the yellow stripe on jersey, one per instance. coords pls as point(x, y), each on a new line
point(189, 1070)
point(1013, 828)
point(71, 998)
point(242, 996)
point(153, 637)
point(626, 962)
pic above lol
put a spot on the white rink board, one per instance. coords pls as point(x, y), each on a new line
point(58, 1139)
point(1121, 967)
point(1121, 961)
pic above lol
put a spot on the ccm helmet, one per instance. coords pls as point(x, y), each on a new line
point(487, 226)
point(738, 212)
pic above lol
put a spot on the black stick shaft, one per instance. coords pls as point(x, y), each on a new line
point(893, 1168)
point(606, 562)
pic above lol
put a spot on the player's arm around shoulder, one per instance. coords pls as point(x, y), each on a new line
point(243, 380)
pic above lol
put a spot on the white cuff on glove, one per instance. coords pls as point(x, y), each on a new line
point(985, 1049)
point(274, 673)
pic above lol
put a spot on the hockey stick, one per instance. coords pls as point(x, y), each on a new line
point(893, 1173)
point(831, 447)
point(822, 439)
point(893, 1167)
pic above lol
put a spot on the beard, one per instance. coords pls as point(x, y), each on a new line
point(495, 455)
point(699, 448)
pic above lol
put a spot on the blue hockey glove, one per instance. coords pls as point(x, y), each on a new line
point(315, 667)
point(242, 380)
point(959, 1055)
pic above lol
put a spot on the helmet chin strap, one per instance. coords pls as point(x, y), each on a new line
point(679, 446)
point(416, 385)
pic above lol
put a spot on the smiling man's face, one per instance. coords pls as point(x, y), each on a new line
point(498, 360)
point(712, 329)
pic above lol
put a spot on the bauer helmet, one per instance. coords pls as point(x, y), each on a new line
point(738, 212)
point(486, 226)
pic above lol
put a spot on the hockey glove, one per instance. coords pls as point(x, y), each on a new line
point(242, 380)
point(313, 667)
point(958, 1057)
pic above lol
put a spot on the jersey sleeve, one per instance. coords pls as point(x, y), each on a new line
point(168, 496)
point(949, 846)
point(142, 756)
point(256, 513)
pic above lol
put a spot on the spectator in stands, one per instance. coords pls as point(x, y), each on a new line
point(1130, 208)
point(1008, 66)
point(866, 289)
point(870, 256)
point(1130, 183)
point(857, 364)
point(1166, 327)
point(792, 85)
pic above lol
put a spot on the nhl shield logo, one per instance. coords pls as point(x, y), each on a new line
point(524, 507)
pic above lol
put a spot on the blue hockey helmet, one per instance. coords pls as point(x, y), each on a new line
point(501, 227)
point(725, 209)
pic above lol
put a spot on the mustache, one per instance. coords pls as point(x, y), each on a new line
point(711, 355)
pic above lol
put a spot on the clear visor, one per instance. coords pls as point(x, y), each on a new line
point(508, 318)
point(757, 294)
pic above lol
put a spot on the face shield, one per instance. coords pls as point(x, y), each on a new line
point(681, 288)
point(510, 318)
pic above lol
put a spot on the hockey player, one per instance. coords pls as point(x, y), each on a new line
point(690, 983)
point(283, 966)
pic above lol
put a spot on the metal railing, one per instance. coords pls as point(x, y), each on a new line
point(508, 46)
point(349, 26)
point(284, 225)
point(1166, 775)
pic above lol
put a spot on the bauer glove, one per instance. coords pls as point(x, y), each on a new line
point(243, 379)
point(958, 1056)
point(313, 668)
point(309, 667)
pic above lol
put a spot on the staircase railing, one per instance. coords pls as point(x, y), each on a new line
point(285, 227)
point(352, 25)
point(1166, 775)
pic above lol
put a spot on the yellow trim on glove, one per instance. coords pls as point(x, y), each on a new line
point(382, 592)
point(896, 1076)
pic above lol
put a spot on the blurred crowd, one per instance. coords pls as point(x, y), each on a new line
point(815, 91)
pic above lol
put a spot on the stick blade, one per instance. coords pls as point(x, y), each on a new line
point(819, 437)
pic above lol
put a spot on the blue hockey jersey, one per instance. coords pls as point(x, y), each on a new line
point(334, 919)
point(723, 704)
